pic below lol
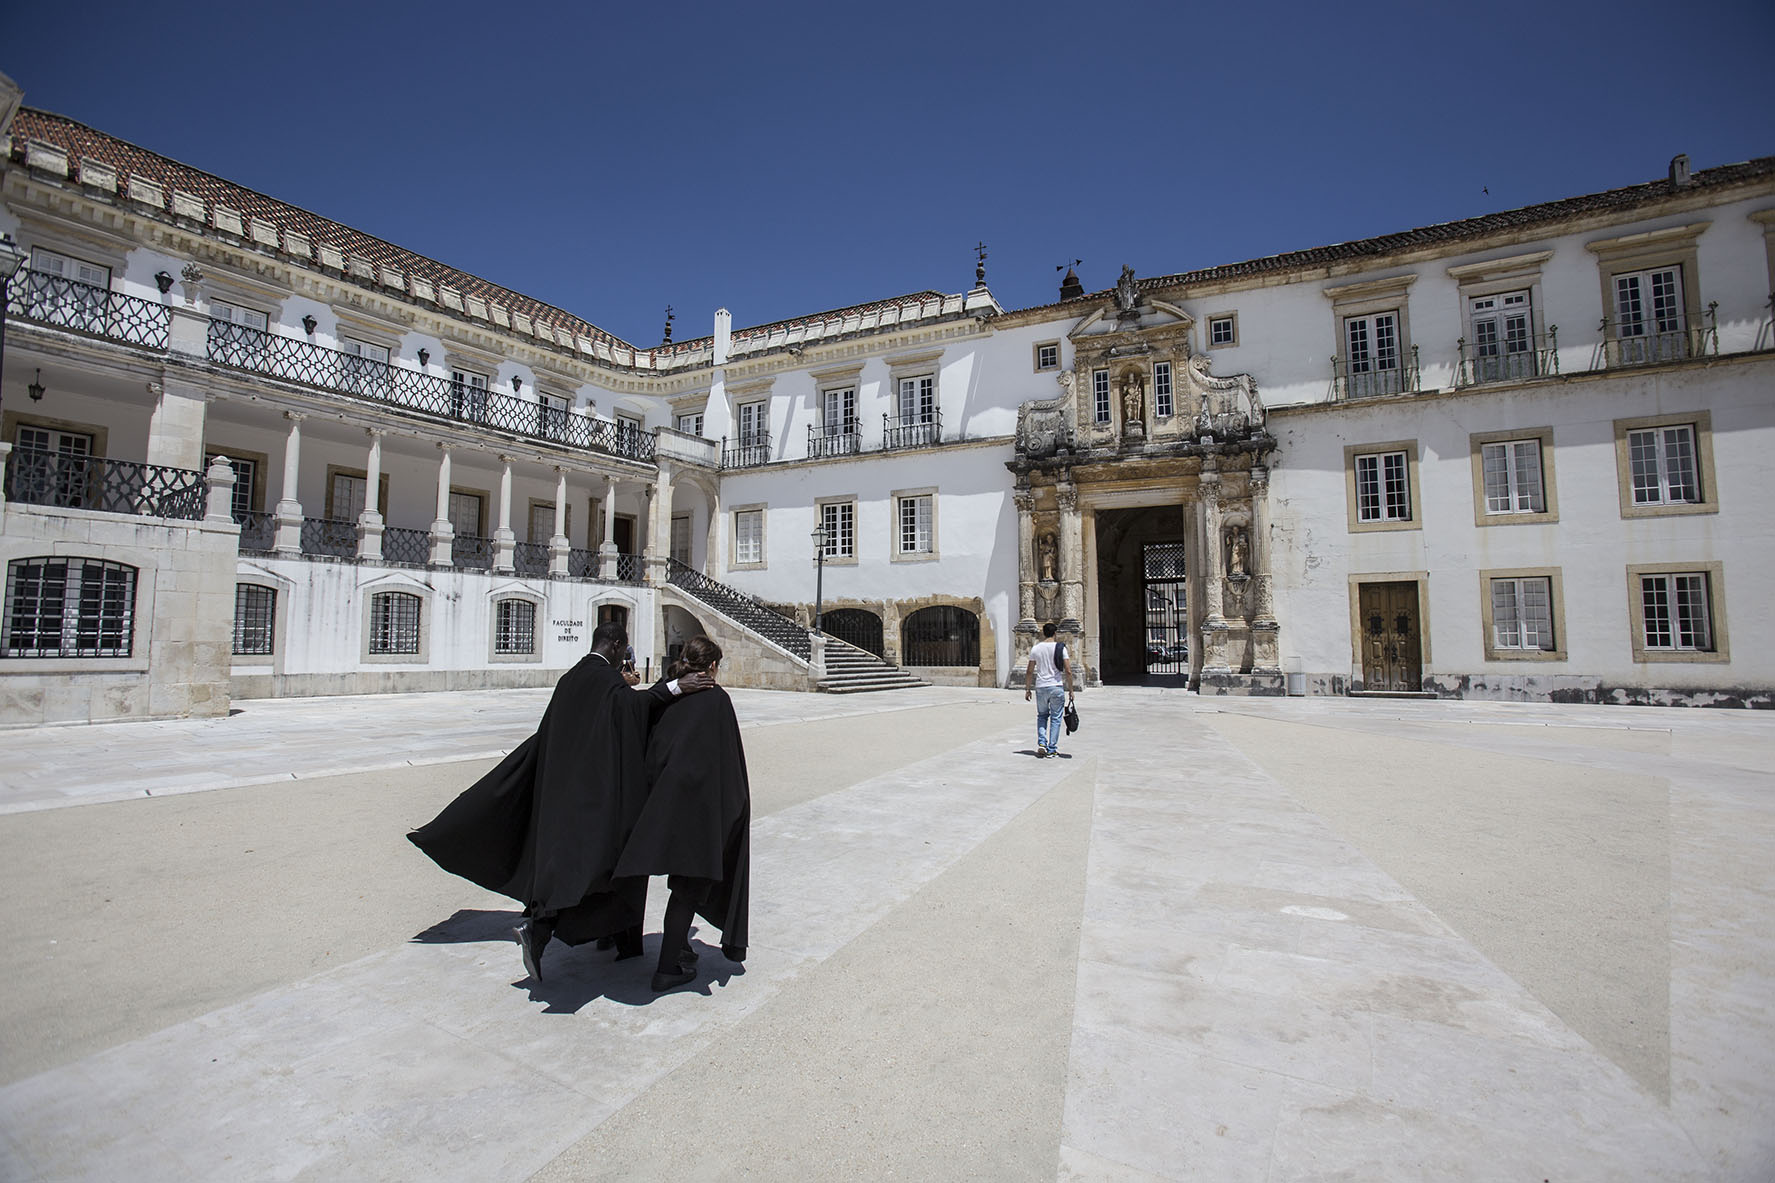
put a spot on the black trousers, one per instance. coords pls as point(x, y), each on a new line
point(688, 894)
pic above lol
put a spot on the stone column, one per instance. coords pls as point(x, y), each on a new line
point(659, 529)
point(175, 426)
point(1024, 499)
point(1213, 579)
point(505, 542)
point(1265, 631)
point(1072, 559)
point(369, 522)
point(607, 549)
point(443, 535)
point(558, 544)
point(289, 510)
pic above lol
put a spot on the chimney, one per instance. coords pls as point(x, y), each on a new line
point(1679, 171)
point(1070, 287)
point(723, 335)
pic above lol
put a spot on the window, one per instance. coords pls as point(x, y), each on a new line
point(75, 296)
point(255, 619)
point(840, 417)
point(1522, 617)
point(1383, 493)
point(364, 368)
point(840, 521)
point(67, 267)
point(1649, 316)
point(394, 623)
point(1047, 355)
point(1665, 465)
point(542, 522)
point(1223, 331)
point(753, 424)
point(1513, 477)
point(467, 513)
point(1650, 294)
point(1371, 355)
point(748, 537)
point(691, 424)
point(1503, 337)
point(1676, 612)
point(468, 395)
point(1100, 396)
point(60, 607)
point(551, 415)
point(918, 399)
point(514, 627)
point(1162, 404)
point(681, 538)
point(917, 524)
point(248, 318)
point(57, 463)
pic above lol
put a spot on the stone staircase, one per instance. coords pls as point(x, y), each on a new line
point(850, 670)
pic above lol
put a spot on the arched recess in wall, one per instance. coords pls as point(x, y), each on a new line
point(942, 634)
point(680, 626)
point(854, 626)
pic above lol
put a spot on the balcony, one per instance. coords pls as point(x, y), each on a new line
point(333, 538)
point(36, 476)
point(837, 439)
point(911, 431)
point(1653, 340)
point(749, 451)
point(1513, 359)
point(83, 308)
point(1374, 377)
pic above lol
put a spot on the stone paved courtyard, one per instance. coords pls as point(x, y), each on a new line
point(1223, 939)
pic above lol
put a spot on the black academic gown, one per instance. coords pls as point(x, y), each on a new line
point(547, 825)
point(697, 820)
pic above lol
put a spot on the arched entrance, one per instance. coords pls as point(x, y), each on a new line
point(940, 635)
point(854, 626)
point(680, 626)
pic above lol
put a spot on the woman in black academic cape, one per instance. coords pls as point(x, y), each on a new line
point(696, 823)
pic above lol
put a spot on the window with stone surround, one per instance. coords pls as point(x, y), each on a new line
point(1047, 355)
point(395, 624)
point(68, 607)
point(1651, 295)
point(514, 628)
point(748, 537)
point(1513, 477)
point(915, 521)
point(1678, 612)
point(838, 516)
point(1665, 465)
point(1381, 485)
point(255, 619)
point(1163, 405)
point(1523, 617)
point(1100, 396)
point(1223, 330)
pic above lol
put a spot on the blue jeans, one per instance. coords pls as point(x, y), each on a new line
point(1050, 704)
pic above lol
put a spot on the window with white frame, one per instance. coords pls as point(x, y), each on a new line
point(68, 607)
point(364, 368)
point(1163, 406)
point(514, 629)
point(1522, 614)
point(394, 623)
point(691, 424)
point(468, 395)
point(1676, 610)
point(1649, 315)
point(62, 266)
point(255, 619)
point(551, 415)
point(1513, 477)
point(1503, 331)
point(1383, 488)
point(468, 511)
point(62, 460)
point(752, 423)
point(839, 518)
point(1371, 354)
point(248, 318)
point(1047, 355)
point(1100, 396)
point(840, 411)
point(347, 494)
point(917, 533)
point(748, 536)
point(918, 399)
point(1222, 332)
point(1662, 462)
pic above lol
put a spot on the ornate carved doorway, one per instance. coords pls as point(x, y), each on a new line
point(1392, 636)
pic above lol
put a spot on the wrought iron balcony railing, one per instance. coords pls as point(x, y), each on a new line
point(911, 431)
point(631, 568)
point(739, 606)
point(582, 562)
point(294, 360)
point(1655, 340)
point(1374, 377)
point(69, 304)
point(531, 558)
point(38, 476)
point(1513, 359)
point(838, 439)
point(403, 545)
point(258, 531)
point(472, 551)
point(334, 537)
point(749, 451)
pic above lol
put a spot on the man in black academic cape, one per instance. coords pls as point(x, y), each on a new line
point(547, 825)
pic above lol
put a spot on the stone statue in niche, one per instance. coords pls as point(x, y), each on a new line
point(1133, 399)
point(1236, 552)
point(1046, 552)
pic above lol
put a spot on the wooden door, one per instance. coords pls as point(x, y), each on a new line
point(1392, 641)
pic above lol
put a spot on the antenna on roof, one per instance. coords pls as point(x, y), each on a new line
point(979, 264)
point(668, 339)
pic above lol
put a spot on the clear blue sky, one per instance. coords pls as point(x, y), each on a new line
point(781, 159)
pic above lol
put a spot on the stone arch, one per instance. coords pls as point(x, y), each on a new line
point(941, 635)
point(855, 626)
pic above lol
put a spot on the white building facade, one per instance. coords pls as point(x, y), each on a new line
point(252, 452)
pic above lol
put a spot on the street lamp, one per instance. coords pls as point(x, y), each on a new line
point(819, 537)
point(11, 259)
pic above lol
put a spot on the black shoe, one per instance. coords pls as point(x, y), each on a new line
point(734, 953)
point(663, 981)
point(531, 948)
point(689, 957)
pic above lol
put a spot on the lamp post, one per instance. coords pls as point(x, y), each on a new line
point(11, 259)
point(819, 537)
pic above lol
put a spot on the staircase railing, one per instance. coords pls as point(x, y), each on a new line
point(740, 607)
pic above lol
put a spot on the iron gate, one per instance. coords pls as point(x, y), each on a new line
point(1167, 608)
point(856, 626)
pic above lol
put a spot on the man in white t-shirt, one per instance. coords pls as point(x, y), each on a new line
point(1048, 679)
